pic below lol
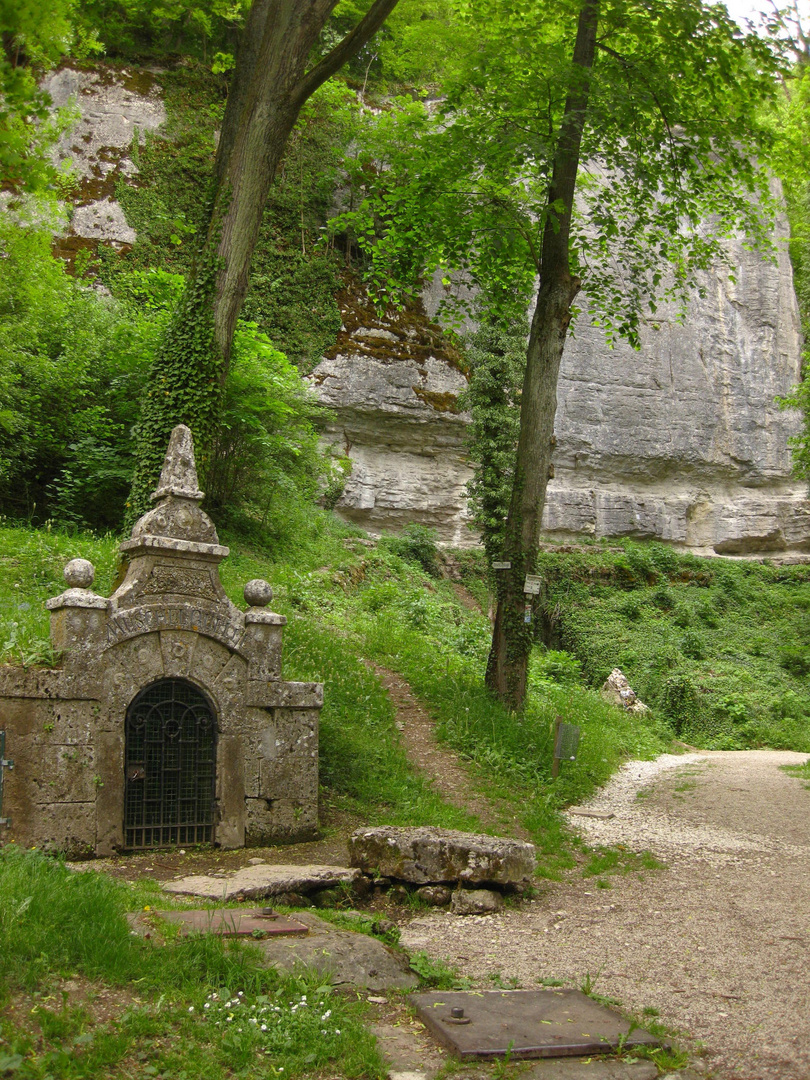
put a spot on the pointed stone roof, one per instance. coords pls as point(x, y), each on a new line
point(179, 473)
point(176, 522)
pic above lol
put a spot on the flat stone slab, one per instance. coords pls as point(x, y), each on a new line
point(254, 882)
point(423, 855)
point(525, 1024)
point(226, 922)
point(347, 958)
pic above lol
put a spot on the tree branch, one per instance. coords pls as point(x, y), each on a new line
point(346, 49)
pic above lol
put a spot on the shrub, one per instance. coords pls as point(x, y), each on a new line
point(266, 443)
point(72, 366)
point(707, 612)
point(417, 544)
point(631, 608)
point(795, 660)
point(682, 615)
point(560, 667)
point(680, 701)
point(693, 646)
point(662, 598)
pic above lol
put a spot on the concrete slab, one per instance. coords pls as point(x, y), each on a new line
point(525, 1024)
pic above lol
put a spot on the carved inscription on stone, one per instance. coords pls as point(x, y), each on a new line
point(176, 579)
point(145, 620)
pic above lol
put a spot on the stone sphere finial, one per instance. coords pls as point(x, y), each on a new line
point(258, 593)
point(79, 573)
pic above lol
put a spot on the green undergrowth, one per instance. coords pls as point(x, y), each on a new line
point(385, 604)
point(32, 562)
point(199, 1008)
point(294, 273)
point(719, 649)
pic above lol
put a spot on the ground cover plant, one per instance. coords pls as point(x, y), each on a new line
point(198, 1009)
point(717, 648)
point(82, 997)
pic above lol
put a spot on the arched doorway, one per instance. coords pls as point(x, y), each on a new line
point(170, 767)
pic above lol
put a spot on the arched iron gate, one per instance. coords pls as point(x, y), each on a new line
point(170, 767)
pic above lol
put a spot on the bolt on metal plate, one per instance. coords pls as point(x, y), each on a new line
point(525, 1024)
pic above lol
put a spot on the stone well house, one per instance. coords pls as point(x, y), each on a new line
point(167, 721)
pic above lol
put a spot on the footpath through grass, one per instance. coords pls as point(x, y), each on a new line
point(717, 649)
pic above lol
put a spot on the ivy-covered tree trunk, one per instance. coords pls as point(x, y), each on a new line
point(270, 85)
point(507, 666)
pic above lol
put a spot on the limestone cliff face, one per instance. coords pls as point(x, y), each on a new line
point(681, 441)
point(394, 388)
point(115, 110)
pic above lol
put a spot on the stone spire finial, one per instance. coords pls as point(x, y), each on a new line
point(179, 473)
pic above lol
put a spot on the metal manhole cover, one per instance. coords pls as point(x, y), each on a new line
point(525, 1023)
point(228, 922)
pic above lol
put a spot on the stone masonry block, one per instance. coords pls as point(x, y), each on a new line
point(424, 855)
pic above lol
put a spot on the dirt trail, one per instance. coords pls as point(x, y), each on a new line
point(450, 777)
point(718, 941)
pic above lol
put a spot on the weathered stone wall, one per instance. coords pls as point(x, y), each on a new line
point(50, 794)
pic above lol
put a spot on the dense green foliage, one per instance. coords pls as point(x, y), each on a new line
point(34, 35)
point(716, 648)
point(73, 368)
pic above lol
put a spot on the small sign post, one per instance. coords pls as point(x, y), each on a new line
point(4, 764)
point(532, 584)
point(501, 566)
point(566, 741)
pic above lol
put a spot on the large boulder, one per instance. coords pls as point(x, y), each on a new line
point(424, 855)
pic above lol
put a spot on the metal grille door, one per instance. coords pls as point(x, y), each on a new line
point(170, 767)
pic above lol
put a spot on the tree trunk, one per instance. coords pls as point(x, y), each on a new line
point(271, 83)
point(507, 666)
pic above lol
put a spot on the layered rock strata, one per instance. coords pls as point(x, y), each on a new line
point(394, 388)
point(681, 441)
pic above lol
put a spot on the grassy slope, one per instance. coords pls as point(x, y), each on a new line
point(345, 602)
point(196, 1009)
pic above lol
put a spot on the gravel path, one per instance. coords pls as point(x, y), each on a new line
point(717, 941)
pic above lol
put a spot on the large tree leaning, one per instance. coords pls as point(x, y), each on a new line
point(271, 82)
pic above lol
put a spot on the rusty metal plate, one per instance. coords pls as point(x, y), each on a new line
point(228, 922)
point(525, 1024)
